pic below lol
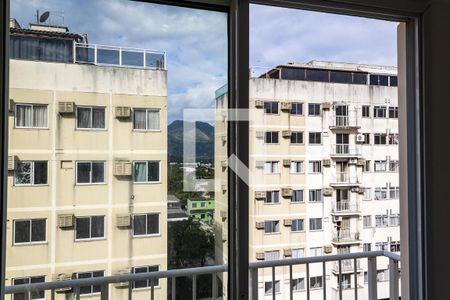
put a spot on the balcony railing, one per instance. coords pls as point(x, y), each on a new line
point(119, 56)
point(344, 122)
point(345, 207)
point(345, 150)
point(254, 267)
point(345, 236)
point(343, 178)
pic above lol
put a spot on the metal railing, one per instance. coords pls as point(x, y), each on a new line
point(343, 122)
point(254, 267)
point(345, 150)
point(345, 207)
point(345, 235)
point(119, 56)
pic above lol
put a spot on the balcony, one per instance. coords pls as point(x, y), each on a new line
point(346, 237)
point(345, 150)
point(347, 266)
point(72, 287)
point(344, 179)
point(102, 55)
point(345, 208)
point(344, 123)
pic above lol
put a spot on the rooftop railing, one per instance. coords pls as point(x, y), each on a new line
point(254, 267)
point(103, 55)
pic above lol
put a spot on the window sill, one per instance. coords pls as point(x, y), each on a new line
point(272, 233)
point(146, 130)
point(145, 288)
point(32, 128)
point(89, 184)
point(92, 129)
point(150, 182)
point(30, 185)
point(146, 236)
point(90, 240)
point(297, 202)
point(30, 244)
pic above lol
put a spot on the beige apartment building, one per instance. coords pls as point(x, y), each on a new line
point(323, 173)
point(87, 178)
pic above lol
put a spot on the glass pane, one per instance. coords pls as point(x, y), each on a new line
point(98, 172)
point(153, 119)
point(153, 171)
point(108, 56)
point(152, 224)
point(84, 117)
point(83, 172)
point(23, 173)
point(40, 172)
point(40, 116)
point(98, 118)
point(130, 58)
point(97, 227)
point(140, 225)
point(139, 119)
point(140, 172)
point(143, 283)
point(82, 228)
point(38, 230)
point(23, 115)
point(22, 232)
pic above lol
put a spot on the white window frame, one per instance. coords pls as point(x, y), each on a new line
point(314, 164)
point(298, 281)
point(272, 193)
point(146, 234)
point(271, 167)
point(90, 238)
point(297, 104)
point(269, 291)
point(317, 195)
point(315, 251)
point(90, 172)
point(314, 221)
point(31, 231)
point(379, 165)
point(367, 221)
point(274, 224)
point(271, 137)
point(298, 221)
point(303, 196)
point(146, 119)
point(146, 165)
point(296, 133)
point(92, 119)
point(92, 286)
point(317, 281)
point(362, 111)
point(298, 166)
point(315, 133)
point(315, 107)
point(158, 285)
point(32, 162)
point(298, 250)
point(379, 110)
point(274, 253)
point(32, 105)
point(271, 103)
point(29, 278)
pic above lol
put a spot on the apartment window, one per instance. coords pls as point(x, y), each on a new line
point(31, 173)
point(30, 231)
point(315, 224)
point(381, 246)
point(145, 224)
point(194, 205)
point(315, 251)
point(395, 246)
point(297, 196)
point(380, 165)
point(394, 220)
point(271, 255)
point(90, 172)
point(367, 247)
point(394, 192)
point(315, 166)
point(146, 171)
point(315, 282)
point(90, 228)
point(272, 197)
point(90, 117)
point(393, 139)
point(31, 116)
point(313, 109)
point(379, 111)
point(268, 288)
point(366, 139)
point(366, 166)
point(271, 107)
point(367, 194)
point(271, 137)
point(298, 253)
point(380, 193)
point(393, 112)
point(297, 137)
point(203, 204)
point(393, 166)
point(146, 119)
point(298, 284)
point(315, 195)
point(366, 277)
point(30, 295)
point(296, 166)
point(271, 167)
point(381, 220)
point(379, 138)
point(345, 281)
point(271, 226)
point(297, 225)
point(90, 289)
point(297, 109)
point(145, 283)
point(366, 111)
point(367, 221)
point(315, 138)
point(383, 275)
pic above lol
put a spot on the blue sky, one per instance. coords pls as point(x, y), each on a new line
point(196, 40)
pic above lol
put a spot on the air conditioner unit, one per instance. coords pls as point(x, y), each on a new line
point(66, 220)
point(224, 163)
point(286, 162)
point(327, 191)
point(337, 219)
point(62, 277)
point(287, 252)
point(11, 105)
point(259, 225)
point(360, 138)
point(327, 249)
point(286, 192)
point(286, 133)
point(259, 164)
point(259, 103)
point(12, 162)
point(122, 284)
point(287, 222)
point(223, 215)
point(360, 162)
point(122, 168)
point(123, 112)
point(260, 255)
point(286, 106)
point(259, 195)
point(123, 220)
point(326, 162)
point(66, 107)
point(327, 105)
point(259, 134)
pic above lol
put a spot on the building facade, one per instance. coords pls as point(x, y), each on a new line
point(87, 165)
point(323, 173)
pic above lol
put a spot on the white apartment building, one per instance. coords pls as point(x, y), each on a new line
point(324, 173)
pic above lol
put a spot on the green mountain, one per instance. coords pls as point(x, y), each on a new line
point(203, 134)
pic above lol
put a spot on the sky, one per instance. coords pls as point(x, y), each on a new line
point(196, 40)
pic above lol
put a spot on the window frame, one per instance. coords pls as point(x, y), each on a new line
point(92, 293)
point(90, 238)
point(32, 115)
point(146, 225)
point(146, 182)
point(271, 108)
point(146, 119)
point(301, 104)
point(30, 280)
point(271, 132)
point(91, 107)
point(90, 173)
point(32, 175)
point(315, 105)
point(157, 286)
point(14, 243)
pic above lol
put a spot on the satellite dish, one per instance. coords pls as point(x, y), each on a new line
point(44, 17)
